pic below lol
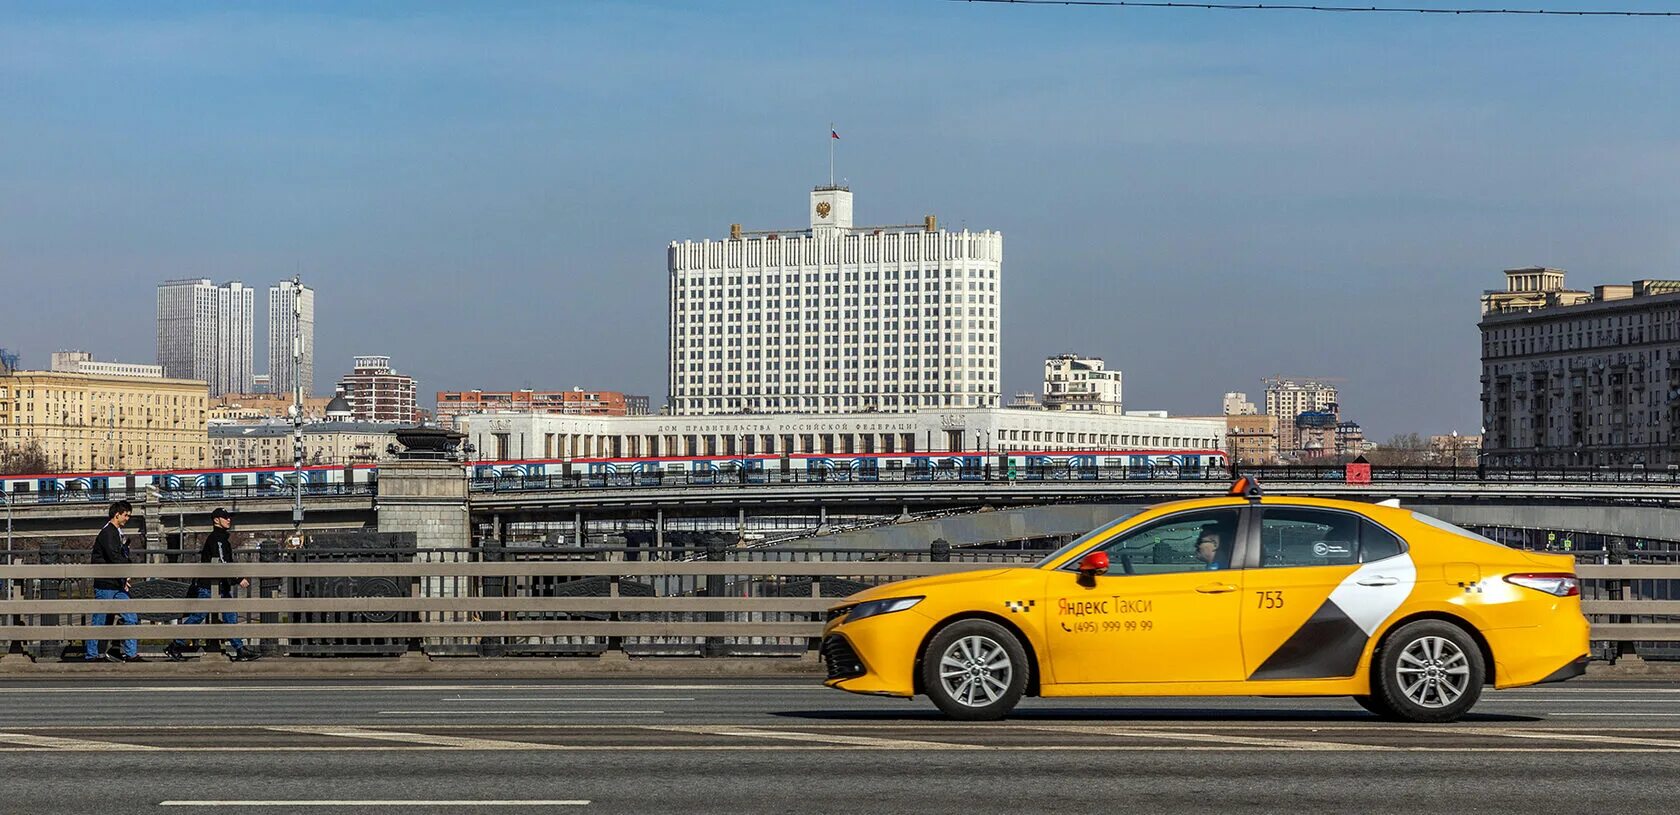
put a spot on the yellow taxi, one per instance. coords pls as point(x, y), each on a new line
point(1232, 596)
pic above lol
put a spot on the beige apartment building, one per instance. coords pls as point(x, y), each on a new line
point(271, 445)
point(1252, 438)
point(91, 423)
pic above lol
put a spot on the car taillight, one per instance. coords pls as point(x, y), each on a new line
point(1561, 584)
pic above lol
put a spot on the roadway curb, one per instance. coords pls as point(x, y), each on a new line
point(807, 667)
point(1633, 668)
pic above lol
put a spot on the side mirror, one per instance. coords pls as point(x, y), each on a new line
point(1093, 564)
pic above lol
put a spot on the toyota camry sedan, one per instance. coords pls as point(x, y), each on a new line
point(1233, 596)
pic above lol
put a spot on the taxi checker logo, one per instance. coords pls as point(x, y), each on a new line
point(1019, 606)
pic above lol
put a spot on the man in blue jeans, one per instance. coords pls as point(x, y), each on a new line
point(218, 548)
point(110, 549)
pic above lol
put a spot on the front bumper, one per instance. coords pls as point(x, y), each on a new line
point(876, 655)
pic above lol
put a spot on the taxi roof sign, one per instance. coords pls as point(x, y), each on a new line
point(1245, 487)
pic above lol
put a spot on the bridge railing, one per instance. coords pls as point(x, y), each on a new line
point(517, 601)
point(690, 600)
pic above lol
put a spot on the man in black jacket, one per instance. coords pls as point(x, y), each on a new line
point(218, 548)
point(110, 549)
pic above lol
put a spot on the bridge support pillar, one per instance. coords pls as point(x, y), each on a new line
point(428, 498)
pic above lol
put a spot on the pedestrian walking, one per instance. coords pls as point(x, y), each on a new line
point(110, 548)
point(218, 548)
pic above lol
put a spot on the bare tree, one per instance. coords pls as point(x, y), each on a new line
point(23, 459)
point(1405, 449)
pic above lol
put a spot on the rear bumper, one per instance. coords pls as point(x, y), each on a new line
point(1569, 671)
point(1529, 656)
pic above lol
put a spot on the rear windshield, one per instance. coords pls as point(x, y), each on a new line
point(1082, 540)
point(1453, 528)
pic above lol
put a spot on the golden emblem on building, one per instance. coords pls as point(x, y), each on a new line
point(823, 209)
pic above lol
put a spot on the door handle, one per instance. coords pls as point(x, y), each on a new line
point(1216, 588)
point(1379, 581)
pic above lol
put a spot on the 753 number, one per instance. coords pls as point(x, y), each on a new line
point(1269, 599)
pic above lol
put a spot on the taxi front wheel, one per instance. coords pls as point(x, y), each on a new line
point(975, 670)
point(1428, 671)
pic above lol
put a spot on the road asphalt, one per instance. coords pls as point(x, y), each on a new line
point(116, 745)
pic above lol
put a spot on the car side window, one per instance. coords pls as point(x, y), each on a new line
point(1303, 536)
point(1376, 543)
point(1188, 542)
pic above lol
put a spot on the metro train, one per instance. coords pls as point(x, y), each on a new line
point(247, 482)
point(845, 467)
point(243, 482)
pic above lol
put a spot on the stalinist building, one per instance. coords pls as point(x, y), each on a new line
point(834, 317)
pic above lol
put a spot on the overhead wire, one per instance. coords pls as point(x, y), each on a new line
point(1162, 4)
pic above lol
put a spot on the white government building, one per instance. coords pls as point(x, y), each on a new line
point(835, 318)
point(836, 339)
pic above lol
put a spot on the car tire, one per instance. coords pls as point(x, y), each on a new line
point(975, 670)
point(1373, 705)
point(1428, 671)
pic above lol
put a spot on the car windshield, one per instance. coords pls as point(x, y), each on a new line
point(1086, 538)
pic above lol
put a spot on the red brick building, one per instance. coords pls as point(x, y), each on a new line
point(575, 402)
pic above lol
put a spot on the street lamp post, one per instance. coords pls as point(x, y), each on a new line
point(297, 408)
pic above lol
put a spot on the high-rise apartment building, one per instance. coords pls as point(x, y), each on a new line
point(1237, 404)
point(1073, 382)
point(291, 328)
point(1578, 379)
point(1286, 398)
point(204, 332)
point(835, 318)
point(378, 394)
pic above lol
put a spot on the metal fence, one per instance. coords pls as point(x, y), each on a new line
point(494, 601)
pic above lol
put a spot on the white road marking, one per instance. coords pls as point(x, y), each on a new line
point(58, 743)
point(1218, 738)
point(1576, 737)
point(1595, 715)
point(567, 699)
point(822, 738)
point(385, 803)
point(457, 742)
point(814, 685)
point(520, 712)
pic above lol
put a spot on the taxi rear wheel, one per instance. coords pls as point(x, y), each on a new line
point(1429, 671)
point(975, 670)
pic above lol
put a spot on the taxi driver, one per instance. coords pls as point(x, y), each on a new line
point(1208, 547)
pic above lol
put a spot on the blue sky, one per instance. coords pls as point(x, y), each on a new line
point(485, 191)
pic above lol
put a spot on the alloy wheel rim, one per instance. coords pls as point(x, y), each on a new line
point(975, 670)
point(1433, 672)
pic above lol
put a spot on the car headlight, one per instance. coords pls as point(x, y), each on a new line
point(874, 607)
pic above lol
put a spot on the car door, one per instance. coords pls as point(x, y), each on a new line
point(1318, 584)
point(1161, 614)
